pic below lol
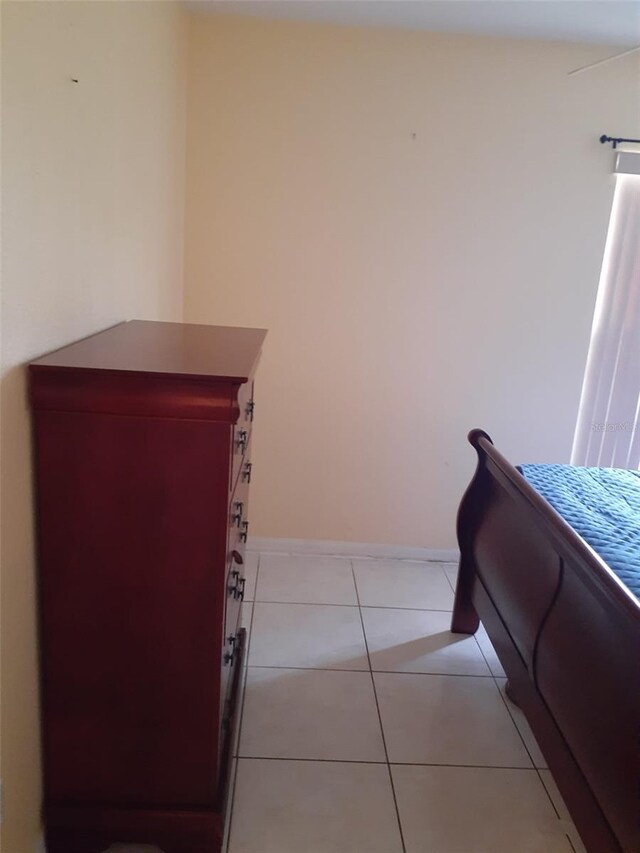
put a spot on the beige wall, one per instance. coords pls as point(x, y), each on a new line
point(92, 234)
point(419, 220)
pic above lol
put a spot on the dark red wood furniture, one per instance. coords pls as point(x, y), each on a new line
point(142, 442)
point(567, 632)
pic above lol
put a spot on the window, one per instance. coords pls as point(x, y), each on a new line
point(608, 428)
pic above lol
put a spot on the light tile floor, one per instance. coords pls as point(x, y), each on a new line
point(367, 727)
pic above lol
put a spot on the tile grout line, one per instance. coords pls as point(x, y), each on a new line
point(363, 606)
point(506, 704)
point(535, 766)
point(381, 763)
point(513, 720)
point(232, 792)
point(453, 588)
point(384, 763)
point(495, 681)
point(533, 763)
point(548, 793)
point(375, 696)
point(377, 671)
point(546, 790)
point(484, 657)
point(524, 743)
point(368, 558)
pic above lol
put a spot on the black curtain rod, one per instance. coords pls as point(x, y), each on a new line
point(615, 141)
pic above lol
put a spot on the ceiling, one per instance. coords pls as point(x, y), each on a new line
point(611, 22)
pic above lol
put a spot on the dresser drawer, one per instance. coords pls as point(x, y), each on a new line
point(235, 571)
point(234, 593)
point(238, 516)
point(234, 579)
point(241, 435)
point(240, 452)
point(246, 405)
point(234, 597)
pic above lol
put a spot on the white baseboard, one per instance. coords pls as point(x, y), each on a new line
point(327, 547)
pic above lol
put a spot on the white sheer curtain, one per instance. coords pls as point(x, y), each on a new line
point(608, 428)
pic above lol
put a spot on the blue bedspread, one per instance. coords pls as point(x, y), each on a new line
point(602, 505)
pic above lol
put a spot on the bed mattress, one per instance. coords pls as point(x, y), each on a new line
point(603, 507)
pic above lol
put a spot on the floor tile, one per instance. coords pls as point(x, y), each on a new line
point(400, 583)
point(227, 820)
point(318, 807)
point(317, 636)
point(489, 652)
point(246, 614)
point(251, 560)
point(419, 641)
point(447, 719)
point(451, 571)
point(306, 580)
point(523, 727)
point(476, 810)
point(245, 619)
point(306, 713)
point(563, 811)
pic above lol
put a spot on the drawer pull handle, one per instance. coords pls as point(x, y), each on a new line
point(245, 531)
point(236, 556)
point(250, 409)
point(238, 592)
point(232, 589)
point(229, 657)
point(241, 440)
point(246, 472)
point(236, 518)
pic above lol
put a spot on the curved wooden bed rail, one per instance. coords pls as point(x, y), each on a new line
point(567, 632)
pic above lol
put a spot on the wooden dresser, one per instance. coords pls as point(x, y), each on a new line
point(142, 438)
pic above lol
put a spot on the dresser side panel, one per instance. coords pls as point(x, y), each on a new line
point(132, 521)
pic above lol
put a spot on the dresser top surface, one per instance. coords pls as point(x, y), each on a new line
point(172, 349)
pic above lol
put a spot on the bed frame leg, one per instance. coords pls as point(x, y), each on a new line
point(465, 619)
